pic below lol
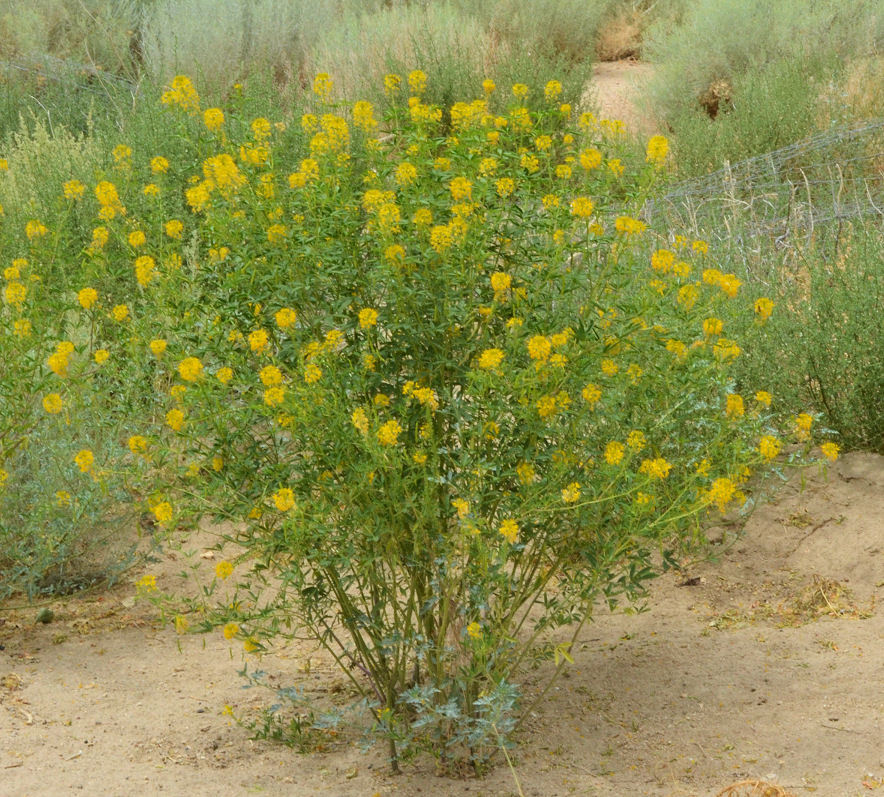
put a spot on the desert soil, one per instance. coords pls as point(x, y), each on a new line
point(765, 663)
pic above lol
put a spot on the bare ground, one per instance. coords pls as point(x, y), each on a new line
point(765, 664)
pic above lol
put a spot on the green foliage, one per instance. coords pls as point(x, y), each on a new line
point(825, 335)
point(736, 79)
point(440, 399)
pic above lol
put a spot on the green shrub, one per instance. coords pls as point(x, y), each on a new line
point(825, 335)
point(441, 402)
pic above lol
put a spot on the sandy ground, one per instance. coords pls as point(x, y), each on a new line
point(765, 664)
point(616, 88)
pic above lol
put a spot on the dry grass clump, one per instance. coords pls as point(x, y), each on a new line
point(754, 788)
point(620, 35)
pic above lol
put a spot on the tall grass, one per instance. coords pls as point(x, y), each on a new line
point(739, 77)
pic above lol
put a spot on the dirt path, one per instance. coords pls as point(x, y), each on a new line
point(616, 87)
point(759, 666)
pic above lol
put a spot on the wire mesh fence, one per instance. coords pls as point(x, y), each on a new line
point(786, 194)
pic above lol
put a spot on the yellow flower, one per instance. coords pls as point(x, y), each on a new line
point(100, 237)
point(525, 472)
point(490, 359)
point(270, 375)
point(84, 460)
point(22, 327)
point(405, 173)
point(52, 403)
point(581, 207)
point(636, 440)
point(802, 424)
point(552, 89)
point(87, 297)
point(392, 84)
point(628, 225)
point(655, 468)
point(539, 348)
point(529, 162)
point(223, 569)
point(614, 452)
point(417, 81)
point(224, 375)
point(460, 188)
point(175, 419)
point(461, 506)
point(159, 165)
point(147, 583)
point(120, 312)
point(474, 631)
point(144, 269)
point(35, 229)
point(763, 308)
point(173, 228)
point(571, 493)
point(230, 630)
point(274, 396)
point(101, 355)
point(74, 189)
point(520, 91)
point(712, 327)
point(190, 369)
point(388, 433)
point(769, 447)
point(360, 420)
point(213, 118)
point(261, 128)
point(609, 367)
point(138, 444)
point(488, 86)
point(258, 340)
point(763, 397)
point(722, 493)
point(284, 499)
point(276, 233)
point(181, 624)
point(363, 116)
point(162, 512)
point(734, 407)
point(830, 450)
point(312, 373)
point(509, 530)
point(157, 346)
point(658, 148)
point(368, 317)
point(286, 317)
point(687, 296)
point(505, 186)
point(616, 167)
point(137, 238)
point(730, 285)
point(546, 406)
point(322, 86)
point(441, 238)
point(15, 293)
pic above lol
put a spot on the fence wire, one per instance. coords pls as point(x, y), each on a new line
point(784, 195)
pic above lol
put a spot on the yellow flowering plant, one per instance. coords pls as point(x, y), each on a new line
point(438, 387)
point(461, 399)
